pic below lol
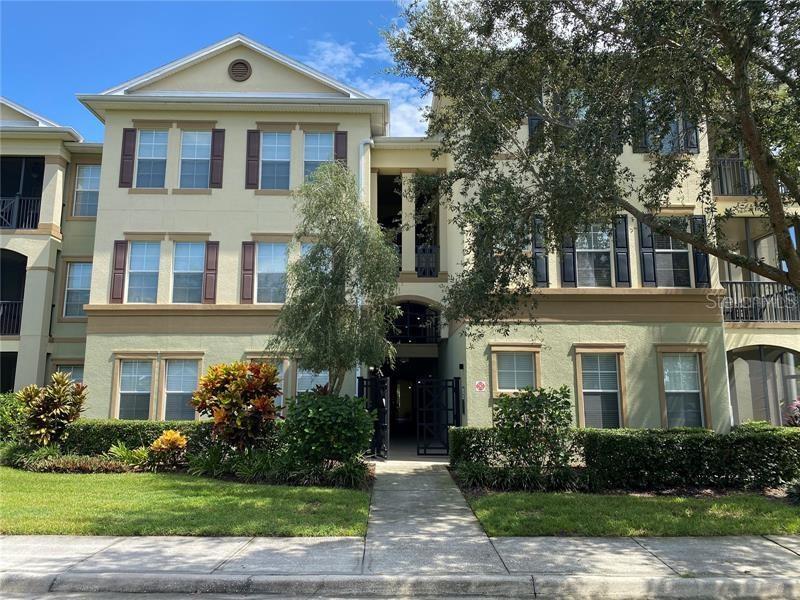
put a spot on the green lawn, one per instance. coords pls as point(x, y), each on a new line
point(510, 514)
point(161, 504)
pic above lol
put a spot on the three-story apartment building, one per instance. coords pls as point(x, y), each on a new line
point(138, 262)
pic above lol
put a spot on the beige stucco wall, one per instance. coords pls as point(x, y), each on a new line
point(641, 366)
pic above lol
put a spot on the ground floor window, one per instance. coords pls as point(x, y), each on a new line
point(135, 388)
point(181, 382)
point(514, 368)
point(307, 380)
point(683, 393)
point(74, 371)
point(601, 390)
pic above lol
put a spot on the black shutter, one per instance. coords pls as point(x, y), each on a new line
point(540, 267)
point(248, 272)
point(127, 158)
point(690, 138)
point(647, 255)
point(118, 262)
point(534, 132)
point(568, 276)
point(252, 159)
point(622, 264)
point(210, 273)
point(340, 147)
point(702, 271)
point(217, 157)
point(639, 122)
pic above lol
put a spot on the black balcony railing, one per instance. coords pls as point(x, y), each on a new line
point(20, 212)
point(735, 177)
point(761, 301)
point(10, 317)
point(427, 261)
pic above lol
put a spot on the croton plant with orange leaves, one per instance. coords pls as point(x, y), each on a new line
point(240, 398)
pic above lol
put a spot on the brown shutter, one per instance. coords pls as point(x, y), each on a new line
point(253, 157)
point(127, 158)
point(248, 271)
point(118, 271)
point(340, 146)
point(210, 273)
point(217, 156)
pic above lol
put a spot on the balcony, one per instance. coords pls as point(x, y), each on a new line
point(760, 302)
point(735, 177)
point(427, 260)
point(20, 212)
point(10, 317)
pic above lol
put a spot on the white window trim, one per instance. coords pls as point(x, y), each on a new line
point(180, 158)
point(69, 264)
point(162, 412)
point(172, 278)
point(690, 257)
point(128, 271)
point(136, 158)
point(262, 160)
point(76, 190)
point(257, 272)
point(611, 261)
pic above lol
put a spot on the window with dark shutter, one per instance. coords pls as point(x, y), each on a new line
point(127, 158)
point(210, 273)
point(568, 275)
point(622, 265)
point(648, 255)
point(217, 157)
point(340, 146)
point(540, 266)
point(702, 271)
point(253, 157)
point(248, 272)
point(118, 271)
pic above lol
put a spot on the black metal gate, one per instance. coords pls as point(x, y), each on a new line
point(375, 391)
point(438, 406)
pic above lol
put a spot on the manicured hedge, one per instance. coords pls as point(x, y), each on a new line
point(95, 436)
point(750, 457)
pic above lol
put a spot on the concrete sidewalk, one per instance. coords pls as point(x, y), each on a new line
point(422, 540)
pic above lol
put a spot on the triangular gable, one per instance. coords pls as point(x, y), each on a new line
point(206, 71)
point(13, 114)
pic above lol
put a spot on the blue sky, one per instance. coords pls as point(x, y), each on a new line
point(50, 51)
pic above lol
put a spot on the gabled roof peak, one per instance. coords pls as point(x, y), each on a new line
point(238, 39)
point(40, 120)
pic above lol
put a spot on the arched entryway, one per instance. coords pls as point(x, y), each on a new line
point(764, 381)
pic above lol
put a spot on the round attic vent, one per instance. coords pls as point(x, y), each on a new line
point(240, 70)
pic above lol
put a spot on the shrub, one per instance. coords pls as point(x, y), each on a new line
point(240, 398)
point(47, 411)
point(213, 461)
point(12, 454)
point(96, 436)
point(355, 474)
point(793, 493)
point(324, 429)
point(168, 451)
point(76, 463)
point(11, 418)
point(133, 457)
point(533, 429)
point(473, 445)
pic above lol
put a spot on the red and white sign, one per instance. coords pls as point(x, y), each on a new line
point(480, 386)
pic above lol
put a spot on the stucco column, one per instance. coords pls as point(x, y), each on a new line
point(297, 164)
point(35, 327)
point(408, 235)
point(52, 190)
point(373, 194)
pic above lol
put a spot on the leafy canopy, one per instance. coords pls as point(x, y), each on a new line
point(339, 307)
point(600, 76)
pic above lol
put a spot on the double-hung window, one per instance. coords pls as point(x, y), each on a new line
point(74, 371)
point(271, 281)
point(601, 393)
point(181, 383)
point(672, 261)
point(143, 272)
point(151, 158)
point(683, 392)
point(76, 293)
point(87, 191)
point(195, 159)
point(135, 387)
point(318, 148)
point(593, 257)
point(276, 149)
point(187, 272)
point(307, 380)
point(513, 368)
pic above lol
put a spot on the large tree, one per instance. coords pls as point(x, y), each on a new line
point(589, 77)
point(339, 307)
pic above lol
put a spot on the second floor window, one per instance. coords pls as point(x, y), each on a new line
point(87, 191)
point(76, 294)
point(151, 159)
point(593, 257)
point(672, 261)
point(318, 149)
point(195, 159)
point(276, 151)
point(271, 281)
point(187, 276)
point(143, 272)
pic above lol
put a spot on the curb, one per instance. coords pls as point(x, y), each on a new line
point(393, 586)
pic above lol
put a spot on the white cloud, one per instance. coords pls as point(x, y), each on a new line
point(341, 61)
